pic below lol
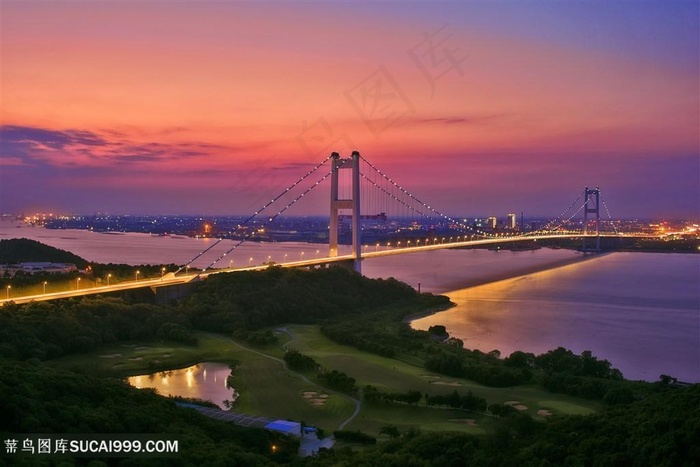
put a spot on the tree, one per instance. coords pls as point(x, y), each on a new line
point(391, 431)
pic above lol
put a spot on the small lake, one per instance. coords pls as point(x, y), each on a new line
point(205, 380)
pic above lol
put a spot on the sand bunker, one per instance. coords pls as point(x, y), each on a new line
point(308, 394)
point(516, 405)
point(135, 358)
point(112, 355)
point(323, 396)
point(446, 383)
point(544, 413)
point(317, 401)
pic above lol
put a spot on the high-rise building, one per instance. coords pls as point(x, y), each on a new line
point(491, 222)
point(511, 221)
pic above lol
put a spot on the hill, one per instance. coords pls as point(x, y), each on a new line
point(18, 250)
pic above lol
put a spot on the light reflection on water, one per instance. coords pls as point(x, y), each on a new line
point(641, 311)
point(205, 380)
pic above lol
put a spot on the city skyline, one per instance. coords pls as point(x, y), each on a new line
point(212, 108)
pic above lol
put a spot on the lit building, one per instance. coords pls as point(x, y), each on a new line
point(491, 222)
point(511, 221)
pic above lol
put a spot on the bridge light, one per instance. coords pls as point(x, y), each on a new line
point(137, 275)
point(44, 284)
point(109, 276)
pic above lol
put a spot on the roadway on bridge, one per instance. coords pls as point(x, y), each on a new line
point(172, 279)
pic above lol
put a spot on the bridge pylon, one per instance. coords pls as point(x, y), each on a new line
point(353, 163)
point(591, 206)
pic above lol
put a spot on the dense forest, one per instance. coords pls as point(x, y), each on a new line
point(642, 424)
point(38, 399)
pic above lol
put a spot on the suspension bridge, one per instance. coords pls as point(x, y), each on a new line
point(358, 187)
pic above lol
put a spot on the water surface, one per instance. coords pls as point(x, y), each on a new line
point(641, 311)
point(205, 380)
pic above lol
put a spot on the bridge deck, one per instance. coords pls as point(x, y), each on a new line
point(172, 279)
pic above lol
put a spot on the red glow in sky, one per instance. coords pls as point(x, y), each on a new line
point(201, 107)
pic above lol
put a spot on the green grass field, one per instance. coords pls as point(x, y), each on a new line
point(396, 376)
point(139, 358)
point(267, 389)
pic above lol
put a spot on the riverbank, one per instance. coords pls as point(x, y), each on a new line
point(517, 271)
point(502, 276)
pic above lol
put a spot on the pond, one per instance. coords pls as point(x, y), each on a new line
point(206, 380)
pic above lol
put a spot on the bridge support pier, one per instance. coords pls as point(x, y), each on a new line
point(592, 206)
point(353, 204)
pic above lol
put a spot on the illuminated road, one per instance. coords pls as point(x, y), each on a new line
point(172, 279)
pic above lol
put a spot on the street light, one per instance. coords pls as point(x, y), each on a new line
point(109, 276)
point(230, 264)
point(250, 262)
point(44, 284)
point(187, 269)
point(302, 256)
point(77, 283)
point(317, 253)
point(162, 273)
point(269, 258)
point(8, 291)
point(137, 275)
point(285, 257)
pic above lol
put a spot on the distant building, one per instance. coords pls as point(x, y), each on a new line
point(510, 223)
point(32, 268)
point(491, 222)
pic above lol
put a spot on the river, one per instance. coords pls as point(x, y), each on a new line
point(640, 311)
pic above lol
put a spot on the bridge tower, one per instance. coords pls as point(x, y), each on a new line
point(591, 206)
point(338, 164)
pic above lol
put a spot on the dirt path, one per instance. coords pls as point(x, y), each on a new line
point(356, 402)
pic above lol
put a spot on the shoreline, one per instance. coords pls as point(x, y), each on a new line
point(517, 272)
point(494, 278)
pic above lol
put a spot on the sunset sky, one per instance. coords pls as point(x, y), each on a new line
point(479, 108)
